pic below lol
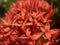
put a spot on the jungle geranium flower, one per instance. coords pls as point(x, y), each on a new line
point(50, 33)
point(28, 23)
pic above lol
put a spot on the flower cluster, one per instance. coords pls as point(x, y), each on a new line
point(28, 23)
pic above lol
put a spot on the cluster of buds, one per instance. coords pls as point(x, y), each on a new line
point(28, 23)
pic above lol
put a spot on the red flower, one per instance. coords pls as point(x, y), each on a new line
point(26, 22)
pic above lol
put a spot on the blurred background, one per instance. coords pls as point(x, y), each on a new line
point(5, 4)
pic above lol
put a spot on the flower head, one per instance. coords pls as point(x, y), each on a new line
point(26, 22)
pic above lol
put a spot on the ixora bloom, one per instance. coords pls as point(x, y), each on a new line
point(28, 23)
